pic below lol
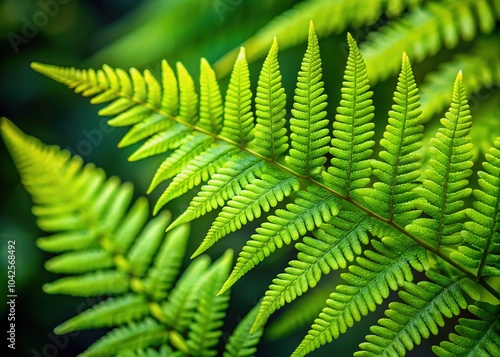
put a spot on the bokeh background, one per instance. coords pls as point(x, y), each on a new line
point(140, 33)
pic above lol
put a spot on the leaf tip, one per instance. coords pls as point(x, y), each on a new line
point(198, 251)
point(405, 57)
point(37, 66)
point(241, 54)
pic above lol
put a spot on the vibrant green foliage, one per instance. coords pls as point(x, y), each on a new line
point(379, 220)
point(130, 265)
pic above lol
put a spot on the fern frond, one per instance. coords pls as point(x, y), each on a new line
point(167, 264)
point(188, 99)
point(260, 195)
point(201, 168)
point(226, 183)
point(204, 331)
point(238, 116)
point(211, 108)
point(132, 224)
point(352, 128)
point(299, 314)
point(80, 262)
point(424, 31)
point(161, 142)
point(110, 312)
point(421, 313)
point(484, 133)
point(334, 245)
point(477, 337)
point(270, 132)
point(309, 134)
point(309, 210)
point(110, 282)
point(182, 300)
point(242, 343)
point(67, 241)
point(164, 351)
point(328, 16)
point(247, 169)
point(192, 146)
point(368, 284)
point(392, 196)
point(131, 337)
point(482, 66)
point(482, 232)
point(134, 266)
point(445, 184)
point(137, 100)
point(141, 254)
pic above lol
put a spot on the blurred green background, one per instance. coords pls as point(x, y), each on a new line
point(139, 33)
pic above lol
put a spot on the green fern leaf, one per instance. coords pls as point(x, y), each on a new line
point(192, 146)
point(420, 314)
point(309, 134)
point(238, 116)
point(91, 284)
point(156, 123)
point(182, 300)
point(211, 108)
point(270, 132)
point(482, 66)
point(161, 276)
point(67, 241)
point(80, 262)
point(477, 337)
point(445, 185)
point(392, 196)
point(248, 170)
point(146, 245)
point(329, 17)
point(132, 337)
point(369, 283)
point(352, 129)
point(143, 130)
point(242, 343)
point(226, 183)
point(423, 31)
point(201, 168)
point(132, 224)
point(161, 142)
point(188, 108)
point(482, 232)
point(164, 351)
point(260, 195)
point(334, 245)
point(309, 210)
point(137, 99)
point(111, 312)
point(169, 99)
point(299, 314)
point(119, 257)
point(204, 331)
